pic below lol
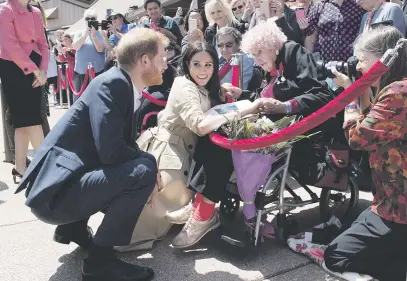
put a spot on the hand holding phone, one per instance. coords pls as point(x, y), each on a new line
point(300, 13)
point(265, 8)
point(192, 24)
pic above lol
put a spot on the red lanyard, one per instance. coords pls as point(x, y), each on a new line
point(370, 17)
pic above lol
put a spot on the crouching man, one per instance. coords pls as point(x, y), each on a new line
point(89, 162)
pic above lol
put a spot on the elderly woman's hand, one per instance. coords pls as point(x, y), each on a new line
point(195, 35)
point(272, 106)
point(230, 92)
point(341, 79)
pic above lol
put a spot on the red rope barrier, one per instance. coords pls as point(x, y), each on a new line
point(84, 85)
point(153, 99)
point(92, 73)
point(60, 81)
point(311, 121)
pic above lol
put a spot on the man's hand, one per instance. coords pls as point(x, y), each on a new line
point(157, 189)
point(272, 106)
point(230, 92)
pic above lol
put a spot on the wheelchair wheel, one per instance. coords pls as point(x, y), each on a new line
point(229, 207)
point(338, 203)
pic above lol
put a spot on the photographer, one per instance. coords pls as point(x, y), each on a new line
point(159, 22)
point(90, 49)
point(376, 242)
point(118, 27)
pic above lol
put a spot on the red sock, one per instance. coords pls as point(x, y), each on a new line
point(204, 211)
point(198, 200)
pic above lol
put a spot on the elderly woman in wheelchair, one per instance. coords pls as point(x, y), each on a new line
point(293, 90)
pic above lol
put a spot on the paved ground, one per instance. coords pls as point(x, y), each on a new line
point(28, 253)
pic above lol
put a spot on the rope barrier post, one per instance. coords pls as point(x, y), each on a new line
point(59, 85)
point(90, 67)
point(68, 92)
point(240, 63)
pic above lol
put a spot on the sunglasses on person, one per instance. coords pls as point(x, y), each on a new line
point(116, 17)
point(90, 19)
point(238, 7)
point(170, 48)
point(227, 45)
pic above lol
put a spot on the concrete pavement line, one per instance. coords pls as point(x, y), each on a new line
point(17, 223)
point(284, 271)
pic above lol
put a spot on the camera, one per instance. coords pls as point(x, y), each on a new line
point(348, 68)
point(105, 24)
point(94, 24)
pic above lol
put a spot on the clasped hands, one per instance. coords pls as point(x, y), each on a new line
point(261, 105)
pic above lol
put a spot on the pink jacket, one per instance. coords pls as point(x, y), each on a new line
point(22, 32)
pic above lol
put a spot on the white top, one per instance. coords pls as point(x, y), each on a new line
point(137, 97)
point(52, 66)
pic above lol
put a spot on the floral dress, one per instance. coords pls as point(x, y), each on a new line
point(382, 131)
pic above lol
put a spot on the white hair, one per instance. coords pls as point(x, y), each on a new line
point(90, 13)
point(227, 10)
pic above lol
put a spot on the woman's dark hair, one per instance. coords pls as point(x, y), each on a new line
point(146, 2)
point(204, 20)
point(213, 85)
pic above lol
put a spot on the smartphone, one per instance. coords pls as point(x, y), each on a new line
point(265, 8)
point(192, 24)
point(109, 12)
point(153, 25)
point(300, 13)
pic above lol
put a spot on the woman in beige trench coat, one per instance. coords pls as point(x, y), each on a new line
point(173, 141)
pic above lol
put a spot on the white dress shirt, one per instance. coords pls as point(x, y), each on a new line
point(137, 97)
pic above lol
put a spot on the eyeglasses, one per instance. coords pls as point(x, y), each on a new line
point(227, 45)
point(89, 19)
point(170, 48)
point(238, 7)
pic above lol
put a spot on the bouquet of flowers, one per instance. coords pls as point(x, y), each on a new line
point(254, 126)
point(253, 167)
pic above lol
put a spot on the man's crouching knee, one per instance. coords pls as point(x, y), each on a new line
point(144, 175)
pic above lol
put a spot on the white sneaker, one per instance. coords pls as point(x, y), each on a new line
point(180, 216)
point(350, 276)
point(194, 231)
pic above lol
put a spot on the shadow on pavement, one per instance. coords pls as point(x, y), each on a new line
point(3, 186)
point(212, 258)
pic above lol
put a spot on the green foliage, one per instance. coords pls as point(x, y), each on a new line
point(256, 126)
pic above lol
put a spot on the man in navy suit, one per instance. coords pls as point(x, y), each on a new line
point(90, 162)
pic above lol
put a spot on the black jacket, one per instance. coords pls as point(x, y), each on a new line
point(210, 32)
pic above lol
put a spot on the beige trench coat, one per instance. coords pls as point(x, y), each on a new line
point(173, 144)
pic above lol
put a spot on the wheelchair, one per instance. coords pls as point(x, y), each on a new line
point(270, 197)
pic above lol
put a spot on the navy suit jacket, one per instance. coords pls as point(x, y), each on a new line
point(96, 131)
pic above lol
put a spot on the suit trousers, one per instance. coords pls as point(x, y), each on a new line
point(370, 246)
point(119, 191)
